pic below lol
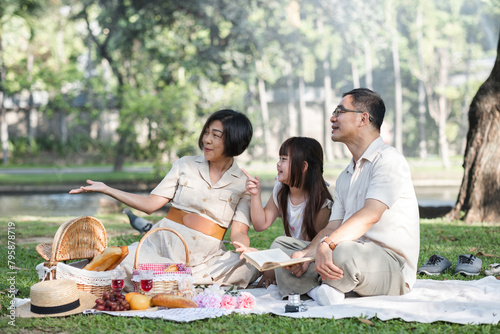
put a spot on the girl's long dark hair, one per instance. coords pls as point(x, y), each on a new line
point(298, 150)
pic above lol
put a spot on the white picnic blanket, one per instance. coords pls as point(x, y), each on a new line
point(462, 302)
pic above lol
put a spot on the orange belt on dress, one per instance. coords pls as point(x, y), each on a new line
point(196, 222)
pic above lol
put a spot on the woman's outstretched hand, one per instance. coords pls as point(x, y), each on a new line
point(97, 187)
point(253, 183)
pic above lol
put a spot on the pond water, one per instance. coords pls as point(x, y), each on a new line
point(64, 204)
point(49, 205)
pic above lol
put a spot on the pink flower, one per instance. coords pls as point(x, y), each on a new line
point(246, 300)
point(228, 302)
point(209, 300)
point(198, 299)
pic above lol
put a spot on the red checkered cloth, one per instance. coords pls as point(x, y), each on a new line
point(165, 269)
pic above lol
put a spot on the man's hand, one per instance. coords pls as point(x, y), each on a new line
point(324, 265)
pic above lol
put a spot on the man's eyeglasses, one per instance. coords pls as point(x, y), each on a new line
point(341, 109)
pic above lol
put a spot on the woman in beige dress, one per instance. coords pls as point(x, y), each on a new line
point(207, 195)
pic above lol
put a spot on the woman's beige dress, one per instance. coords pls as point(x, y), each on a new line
point(189, 188)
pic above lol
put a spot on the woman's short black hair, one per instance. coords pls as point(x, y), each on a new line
point(237, 129)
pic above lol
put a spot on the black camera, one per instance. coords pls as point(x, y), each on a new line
point(294, 304)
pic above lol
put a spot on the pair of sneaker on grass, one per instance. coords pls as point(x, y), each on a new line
point(467, 265)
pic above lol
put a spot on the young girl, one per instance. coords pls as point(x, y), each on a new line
point(300, 194)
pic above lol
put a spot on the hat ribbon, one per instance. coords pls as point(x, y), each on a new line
point(46, 272)
point(55, 309)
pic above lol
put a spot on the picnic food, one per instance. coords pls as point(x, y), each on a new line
point(139, 302)
point(128, 296)
point(172, 267)
point(112, 302)
point(108, 259)
point(124, 254)
point(172, 301)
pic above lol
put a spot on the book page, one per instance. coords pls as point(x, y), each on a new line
point(272, 258)
point(268, 255)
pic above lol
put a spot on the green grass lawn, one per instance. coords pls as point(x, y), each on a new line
point(449, 239)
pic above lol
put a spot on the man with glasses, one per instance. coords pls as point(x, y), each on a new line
point(372, 241)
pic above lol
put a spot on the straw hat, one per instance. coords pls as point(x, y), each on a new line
point(56, 298)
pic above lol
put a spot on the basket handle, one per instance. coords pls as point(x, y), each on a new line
point(136, 261)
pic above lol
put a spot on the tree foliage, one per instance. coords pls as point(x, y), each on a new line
point(163, 65)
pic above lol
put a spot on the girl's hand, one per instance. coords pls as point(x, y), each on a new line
point(268, 278)
point(253, 183)
point(97, 187)
point(240, 248)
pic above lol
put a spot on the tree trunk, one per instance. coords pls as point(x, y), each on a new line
point(120, 154)
point(443, 141)
point(125, 124)
point(398, 93)
point(368, 65)
point(443, 110)
point(63, 120)
point(356, 83)
point(292, 113)
point(64, 127)
point(4, 129)
point(31, 112)
point(265, 115)
point(32, 119)
point(479, 196)
point(422, 146)
point(464, 111)
point(437, 103)
point(327, 84)
point(302, 106)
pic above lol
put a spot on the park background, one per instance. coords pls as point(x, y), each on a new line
point(100, 83)
point(131, 81)
point(116, 90)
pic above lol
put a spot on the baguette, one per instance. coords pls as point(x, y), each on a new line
point(123, 256)
point(172, 301)
point(104, 260)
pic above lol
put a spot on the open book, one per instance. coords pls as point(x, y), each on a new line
point(272, 258)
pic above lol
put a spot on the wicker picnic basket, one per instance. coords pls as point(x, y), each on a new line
point(164, 280)
point(77, 239)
